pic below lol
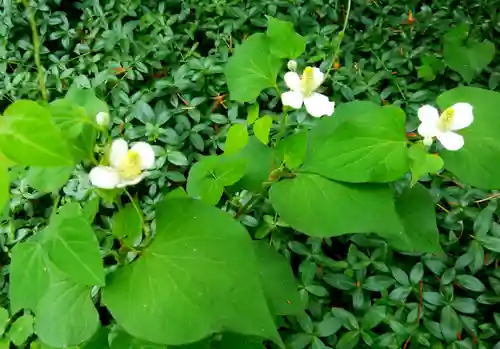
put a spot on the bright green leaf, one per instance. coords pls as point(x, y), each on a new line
point(125, 341)
point(285, 42)
point(48, 179)
point(73, 247)
point(127, 224)
point(260, 162)
point(416, 205)
point(233, 341)
point(4, 320)
point(278, 281)
point(472, 164)
point(29, 137)
point(262, 128)
point(236, 139)
point(208, 177)
point(251, 69)
point(29, 275)
point(154, 297)
point(87, 99)
point(66, 315)
point(422, 163)
point(21, 330)
point(292, 149)
point(362, 143)
point(252, 113)
point(76, 126)
point(319, 207)
point(468, 59)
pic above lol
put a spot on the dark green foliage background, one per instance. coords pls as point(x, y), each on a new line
point(158, 64)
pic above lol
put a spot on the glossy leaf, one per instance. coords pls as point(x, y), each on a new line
point(260, 162)
point(319, 207)
point(285, 42)
point(29, 137)
point(73, 247)
point(48, 179)
point(236, 139)
point(362, 143)
point(29, 275)
point(422, 163)
point(127, 224)
point(208, 177)
point(416, 205)
point(292, 149)
point(251, 69)
point(21, 330)
point(472, 163)
point(278, 281)
point(154, 298)
point(262, 128)
point(66, 315)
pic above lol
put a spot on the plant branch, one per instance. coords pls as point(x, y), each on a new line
point(341, 38)
point(36, 49)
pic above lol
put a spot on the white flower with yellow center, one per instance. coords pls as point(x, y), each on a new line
point(302, 92)
point(126, 166)
point(456, 117)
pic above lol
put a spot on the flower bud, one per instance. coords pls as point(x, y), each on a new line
point(292, 65)
point(102, 119)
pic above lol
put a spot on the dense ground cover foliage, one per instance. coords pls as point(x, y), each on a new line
point(159, 67)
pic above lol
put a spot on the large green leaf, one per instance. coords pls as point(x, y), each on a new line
point(320, 207)
point(199, 276)
point(208, 177)
point(280, 286)
point(362, 143)
point(237, 341)
point(48, 179)
point(416, 205)
point(29, 137)
point(466, 56)
point(475, 163)
point(251, 69)
point(76, 126)
point(86, 98)
point(260, 161)
point(285, 42)
point(125, 341)
point(65, 315)
point(73, 247)
point(29, 275)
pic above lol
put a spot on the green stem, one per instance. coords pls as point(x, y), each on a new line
point(341, 37)
point(147, 235)
point(54, 208)
point(36, 49)
point(283, 125)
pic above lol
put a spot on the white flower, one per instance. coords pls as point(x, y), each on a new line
point(102, 119)
point(456, 117)
point(127, 167)
point(302, 92)
point(292, 65)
